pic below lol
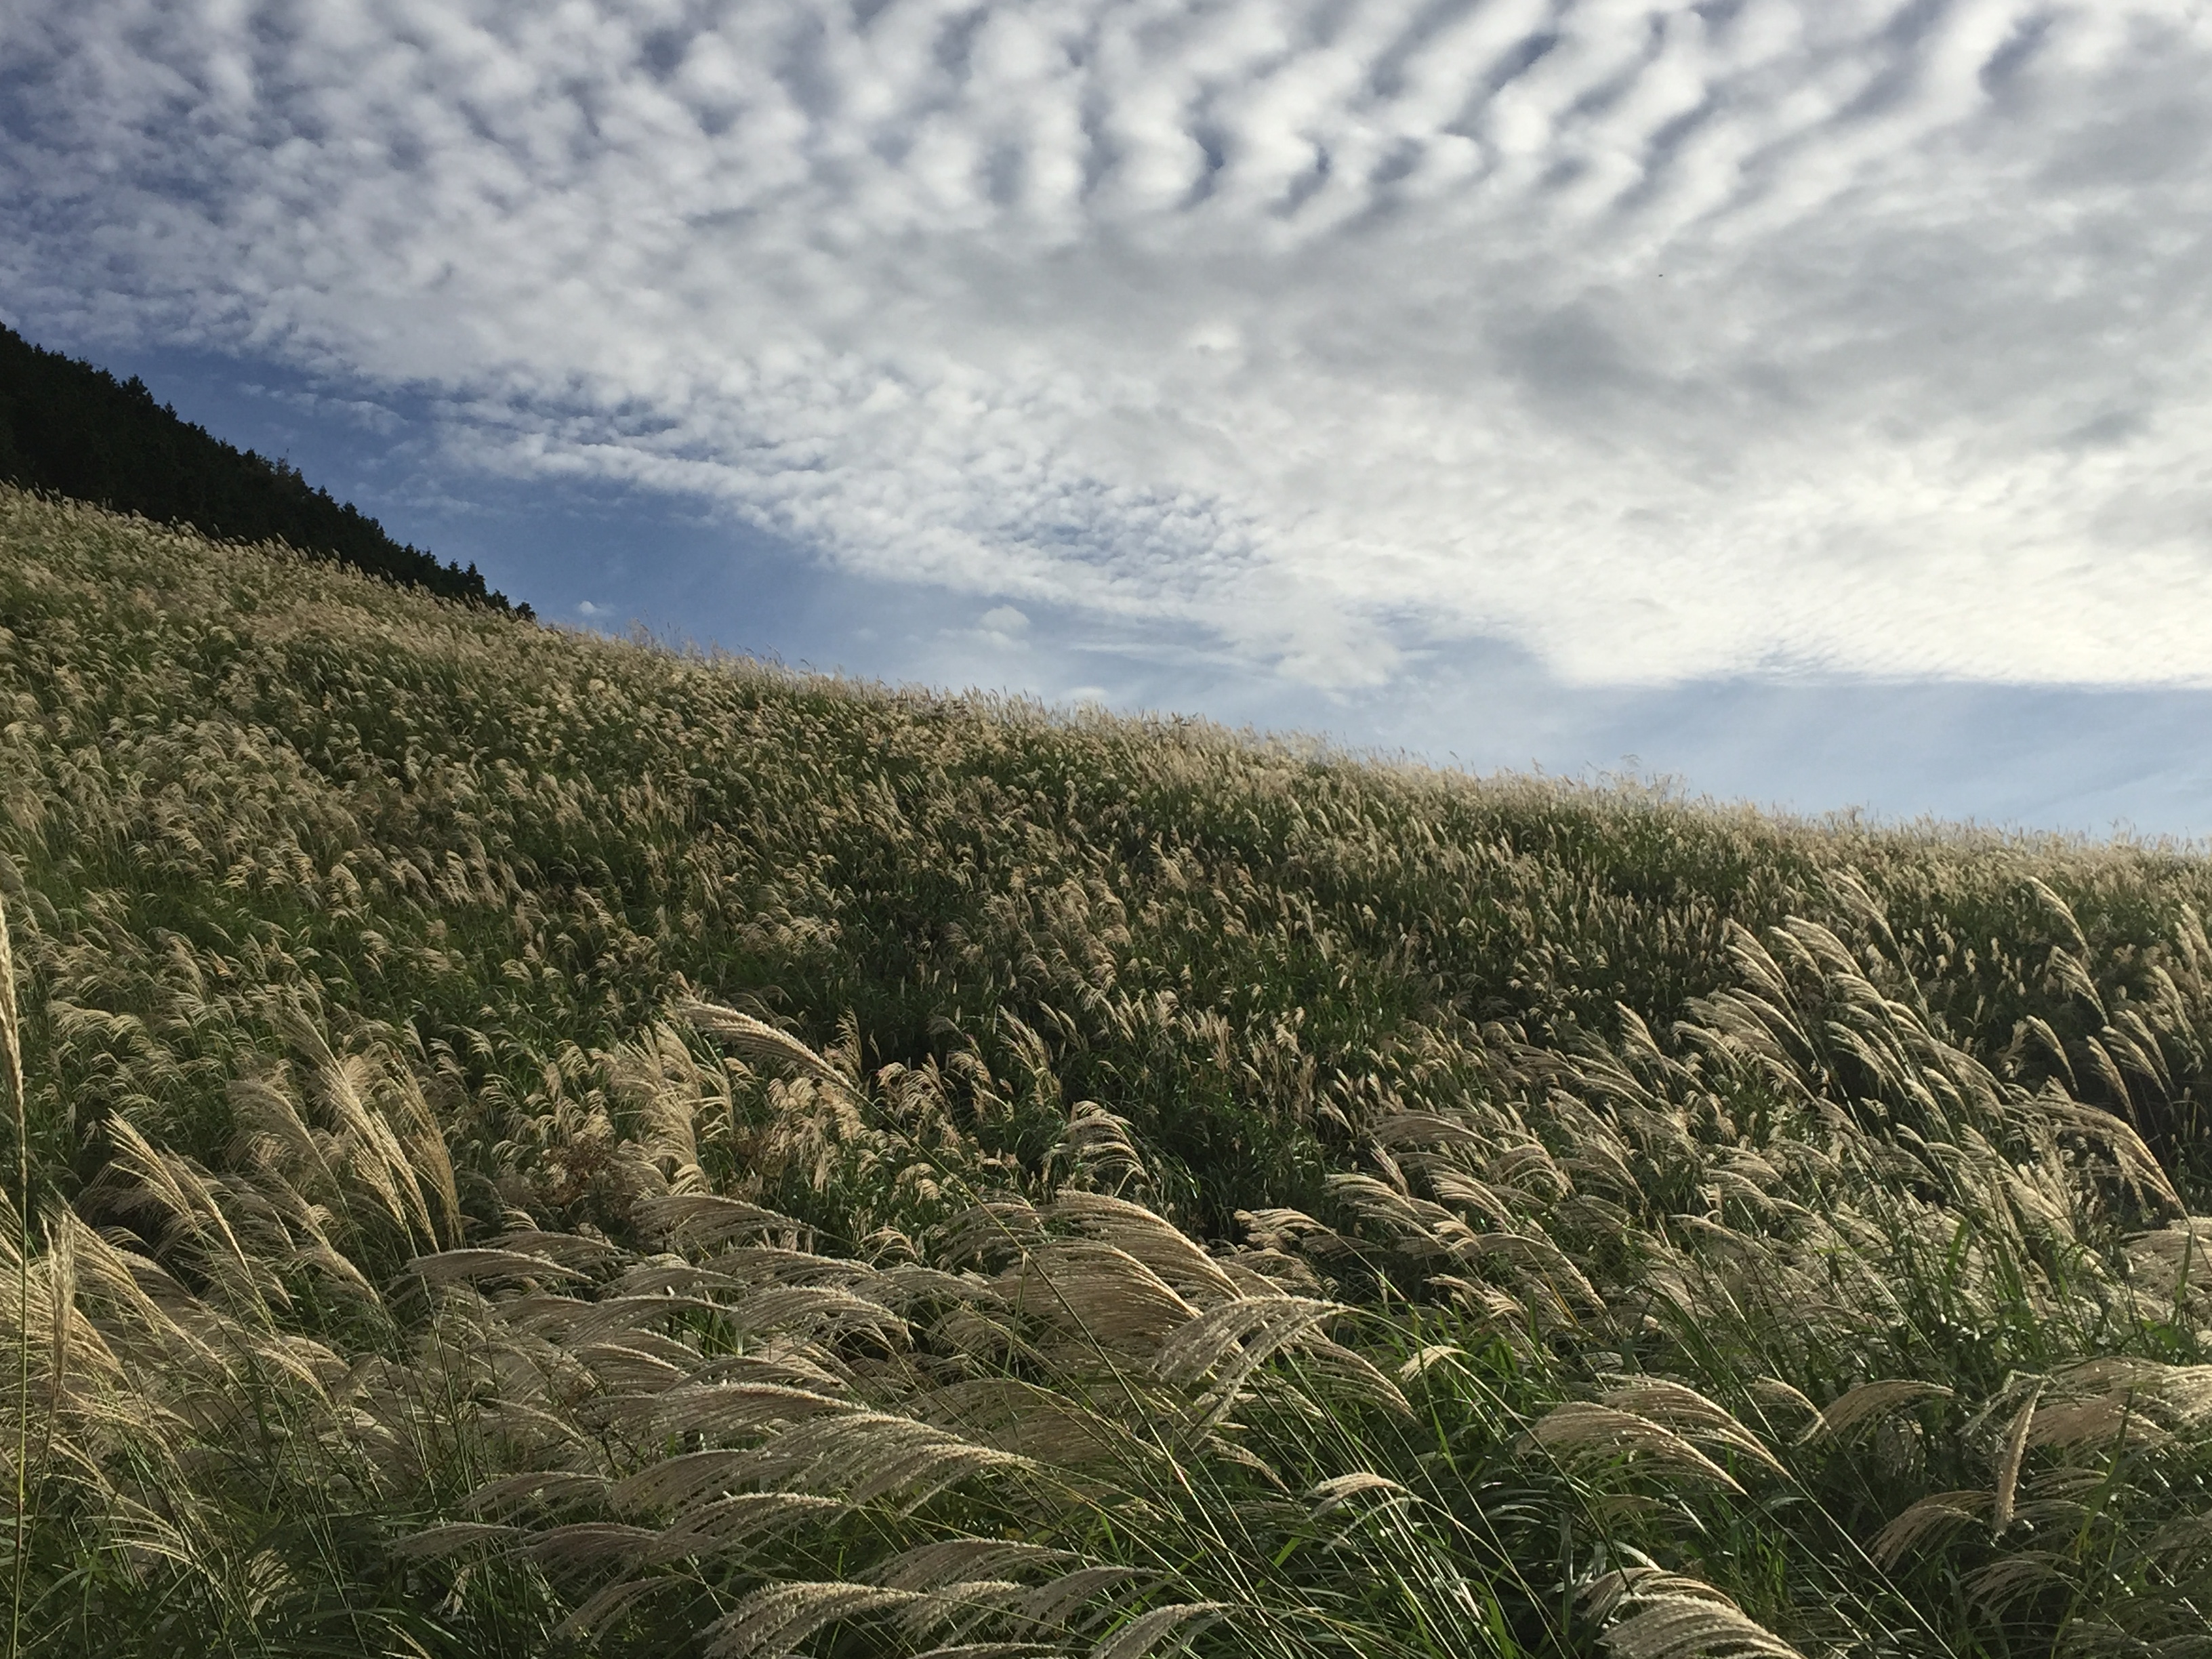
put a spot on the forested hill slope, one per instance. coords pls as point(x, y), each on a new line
point(74, 429)
point(536, 1141)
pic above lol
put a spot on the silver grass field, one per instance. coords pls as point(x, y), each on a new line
point(531, 1143)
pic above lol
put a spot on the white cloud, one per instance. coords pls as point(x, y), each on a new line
point(1662, 339)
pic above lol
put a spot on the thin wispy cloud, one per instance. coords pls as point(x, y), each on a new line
point(1660, 341)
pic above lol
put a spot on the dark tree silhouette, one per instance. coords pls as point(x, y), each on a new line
point(73, 428)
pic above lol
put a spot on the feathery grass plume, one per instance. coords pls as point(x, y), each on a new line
point(2012, 1577)
point(1678, 1406)
point(1868, 1402)
point(1099, 1293)
point(739, 1521)
point(1434, 1355)
point(476, 1265)
point(1339, 1489)
point(1162, 1247)
point(932, 1566)
point(2108, 1424)
point(866, 1455)
point(1583, 1433)
point(1924, 1519)
point(2012, 1453)
point(760, 1040)
point(1037, 1422)
point(774, 1622)
point(1099, 1146)
point(1144, 1634)
point(1772, 1394)
point(1226, 1344)
point(1654, 1614)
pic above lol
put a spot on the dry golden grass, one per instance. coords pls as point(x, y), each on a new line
point(525, 1143)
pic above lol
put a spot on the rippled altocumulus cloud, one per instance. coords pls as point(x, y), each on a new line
point(1661, 340)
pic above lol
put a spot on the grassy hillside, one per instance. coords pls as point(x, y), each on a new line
point(534, 1143)
point(73, 428)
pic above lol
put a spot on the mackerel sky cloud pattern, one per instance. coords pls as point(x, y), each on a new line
point(1660, 340)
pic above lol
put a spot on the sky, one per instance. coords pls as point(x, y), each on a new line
point(1801, 400)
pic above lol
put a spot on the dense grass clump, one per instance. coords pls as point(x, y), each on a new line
point(524, 1144)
